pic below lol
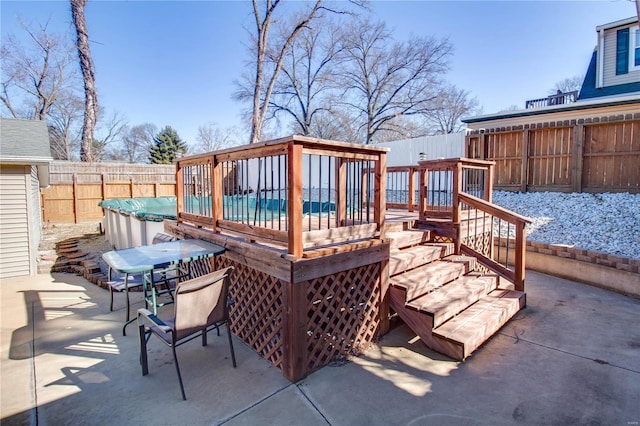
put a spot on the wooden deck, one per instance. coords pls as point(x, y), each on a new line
point(323, 284)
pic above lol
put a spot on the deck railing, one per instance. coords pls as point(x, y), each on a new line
point(459, 191)
point(402, 187)
point(441, 180)
point(557, 99)
point(295, 192)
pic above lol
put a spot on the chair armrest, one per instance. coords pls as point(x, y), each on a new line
point(150, 316)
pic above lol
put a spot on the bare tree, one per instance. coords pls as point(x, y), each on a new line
point(136, 141)
point(307, 74)
point(33, 74)
point(212, 138)
point(268, 65)
point(384, 79)
point(448, 108)
point(88, 74)
point(65, 118)
point(110, 131)
point(568, 84)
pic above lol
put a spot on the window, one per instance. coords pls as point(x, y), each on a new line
point(634, 52)
point(627, 50)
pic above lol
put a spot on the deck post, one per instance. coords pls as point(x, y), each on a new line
point(412, 188)
point(295, 361)
point(341, 191)
point(521, 247)
point(457, 189)
point(422, 205)
point(179, 190)
point(488, 184)
point(294, 206)
point(217, 190)
point(379, 203)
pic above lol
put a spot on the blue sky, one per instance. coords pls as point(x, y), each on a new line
point(174, 62)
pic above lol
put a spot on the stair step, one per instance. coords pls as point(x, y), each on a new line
point(397, 226)
point(472, 327)
point(468, 261)
point(415, 256)
point(427, 278)
point(408, 238)
point(451, 299)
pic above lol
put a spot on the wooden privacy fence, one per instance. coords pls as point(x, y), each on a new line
point(586, 155)
point(76, 188)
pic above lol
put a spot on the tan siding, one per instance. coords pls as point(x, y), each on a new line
point(609, 71)
point(15, 257)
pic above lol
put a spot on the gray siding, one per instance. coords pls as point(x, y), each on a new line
point(35, 217)
point(15, 259)
point(609, 71)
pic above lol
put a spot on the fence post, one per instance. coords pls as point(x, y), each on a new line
point(75, 198)
point(131, 187)
point(578, 152)
point(525, 161)
point(104, 186)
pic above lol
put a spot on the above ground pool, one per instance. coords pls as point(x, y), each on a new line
point(133, 222)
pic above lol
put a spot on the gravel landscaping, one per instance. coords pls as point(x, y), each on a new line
point(607, 223)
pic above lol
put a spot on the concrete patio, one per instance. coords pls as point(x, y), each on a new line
point(571, 357)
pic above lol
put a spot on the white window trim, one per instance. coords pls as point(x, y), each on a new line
point(632, 48)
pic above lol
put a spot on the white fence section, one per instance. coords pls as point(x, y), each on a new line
point(406, 152)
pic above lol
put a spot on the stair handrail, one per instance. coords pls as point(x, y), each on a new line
point(515, 275)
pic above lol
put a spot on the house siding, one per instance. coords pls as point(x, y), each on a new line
point(609, 66)
point(35, 217)
point(15, 251)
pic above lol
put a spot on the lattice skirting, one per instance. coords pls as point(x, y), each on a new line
point(343, 314)
point(257, 313)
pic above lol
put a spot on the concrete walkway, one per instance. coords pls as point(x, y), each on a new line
point(571, 357)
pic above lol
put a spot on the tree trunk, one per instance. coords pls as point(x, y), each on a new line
point(88, 75)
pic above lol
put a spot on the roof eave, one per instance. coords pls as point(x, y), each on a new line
point(591, 103)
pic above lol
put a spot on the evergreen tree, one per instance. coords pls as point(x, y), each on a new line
point(166, 146)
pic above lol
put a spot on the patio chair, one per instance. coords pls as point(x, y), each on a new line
point(165, 279)
point(201, 304)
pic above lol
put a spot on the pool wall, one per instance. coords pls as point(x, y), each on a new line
point(133, 222)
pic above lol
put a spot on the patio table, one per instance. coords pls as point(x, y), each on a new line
point(146, 259)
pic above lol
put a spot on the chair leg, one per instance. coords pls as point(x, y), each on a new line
point(110, 291)
point(233, 355)
point(204, 337)
point(175, 357)
point(143, 350)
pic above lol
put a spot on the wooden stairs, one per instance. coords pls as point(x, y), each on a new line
point(452, 306)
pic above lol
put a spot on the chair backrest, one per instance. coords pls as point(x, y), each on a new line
point(201, 302)
point(161, 237)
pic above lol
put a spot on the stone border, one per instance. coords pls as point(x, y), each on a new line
point(615, 273)
point(611, 261)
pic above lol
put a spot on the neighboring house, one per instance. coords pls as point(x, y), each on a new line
point(587, 141)
point(615, 65)
point(24, 169)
